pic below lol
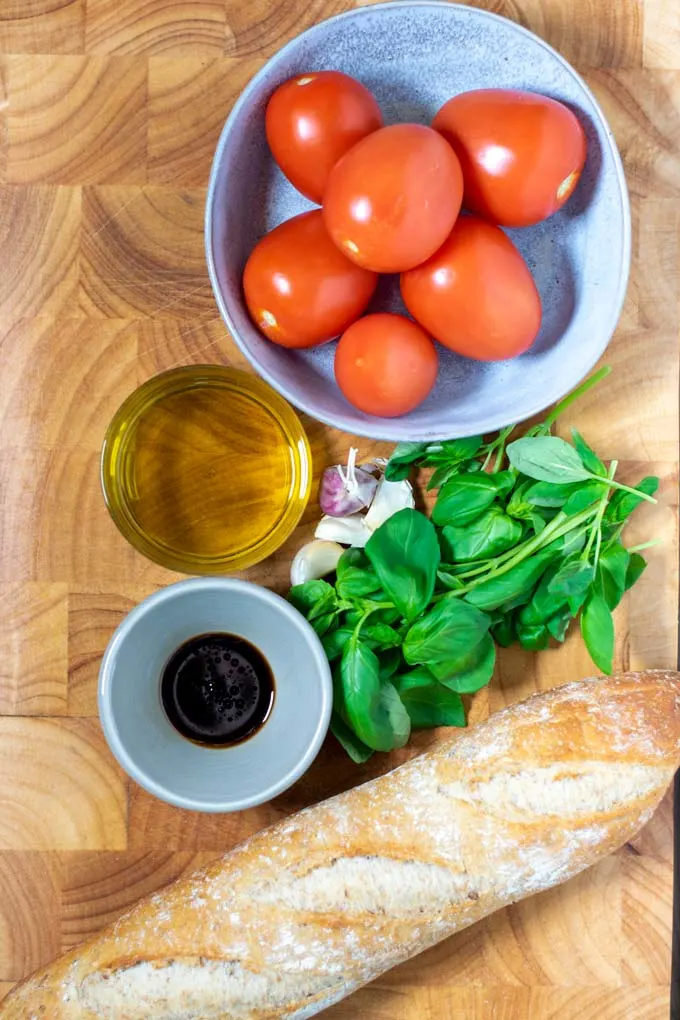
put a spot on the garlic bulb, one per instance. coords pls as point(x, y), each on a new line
point(314, 560)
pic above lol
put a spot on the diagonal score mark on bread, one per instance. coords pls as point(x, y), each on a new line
point(535, 794)
point(323, 902)
point(198, 987)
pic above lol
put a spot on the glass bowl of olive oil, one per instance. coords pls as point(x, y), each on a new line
point(205, 469)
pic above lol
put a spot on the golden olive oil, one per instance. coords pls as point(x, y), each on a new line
point(206, 469)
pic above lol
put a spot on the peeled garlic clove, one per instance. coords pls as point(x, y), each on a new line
point(389, 499)
point(350, 530)
point(314, 560)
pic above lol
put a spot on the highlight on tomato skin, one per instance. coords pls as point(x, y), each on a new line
point(522, 153)
point(300, 290)
point(385, 364)
point(312, 120)
point(392, 199)
point(475, 295)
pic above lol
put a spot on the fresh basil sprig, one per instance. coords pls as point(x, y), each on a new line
point(524, 537)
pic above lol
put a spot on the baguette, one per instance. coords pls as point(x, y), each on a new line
point(316, 906)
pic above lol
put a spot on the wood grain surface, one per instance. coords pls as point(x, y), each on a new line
point(109, 113)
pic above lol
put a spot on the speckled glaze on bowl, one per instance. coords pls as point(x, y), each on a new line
point(415, 56)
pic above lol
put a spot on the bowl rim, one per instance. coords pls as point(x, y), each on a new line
point(111, 731)
point(381, 430)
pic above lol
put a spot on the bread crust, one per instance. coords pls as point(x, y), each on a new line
point(312, 908)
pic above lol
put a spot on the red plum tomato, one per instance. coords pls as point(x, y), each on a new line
point(393, 199)
point(299, 288)
point(385, 365)
point(314, 119)
point(522, 154)
point(476, 294)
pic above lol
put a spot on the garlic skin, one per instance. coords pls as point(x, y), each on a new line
point(346, 490)
point(375, 467)
point(314, 560)
point(388, 500)
point(350, 530)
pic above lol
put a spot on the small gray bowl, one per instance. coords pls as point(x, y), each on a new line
point(415, 56)
point(190, 775)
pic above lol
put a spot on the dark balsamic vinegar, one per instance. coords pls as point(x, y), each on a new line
point(217, 689)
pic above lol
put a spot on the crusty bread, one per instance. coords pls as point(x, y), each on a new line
point(309, 910)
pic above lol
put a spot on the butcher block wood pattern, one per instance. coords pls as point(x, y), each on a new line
point(109, 112)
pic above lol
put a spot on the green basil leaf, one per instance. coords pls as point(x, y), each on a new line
point(584, 496)
point(573, 577)
point(504, 631)
point(548, 494)
point(387, 615)
point(392, 715)
point(597, 628)
point(504, 481)
point(636, 567)
point(547, 459)
point(389, 662)
point(356, 582)
point(443, 474)
point(353, 617)
point(611, 574)
point(478, 672)
point(452, 451)
point(403, 456)
point(572, 542)
point(464, 498)
point(339, 706)
point(405, 555)
point(446, 637)
point(615, 559)
point(312, 598)
point(622, 504)
point(428, 702)
point(558, 625)
point(328, 603)
point(544, 602)
point(448, 581)
point(381, 635)
point(520, 511)
point(373, 708)
point(334, 642)
point(351, 558)
point(538, 523)
point(533, 637)
point(530, 616)
point(589, 458)
point(491, 534)
point(323, 624)
point(575, 603)
point(515, 583)
point(377, 636)
point(518, 506)
point(607, 587)
point(519, 600)
point(348, 740)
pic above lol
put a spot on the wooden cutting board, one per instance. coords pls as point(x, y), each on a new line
point(109, 113)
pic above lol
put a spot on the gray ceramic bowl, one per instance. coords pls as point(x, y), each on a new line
point(415, 56)
point(173, 768)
